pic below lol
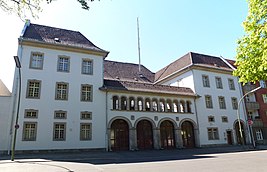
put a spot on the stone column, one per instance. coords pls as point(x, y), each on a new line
point(133, 138)
point(197, 141)
point(178, 138)
point(156, 138)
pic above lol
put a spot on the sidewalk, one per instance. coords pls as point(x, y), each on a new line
point(88, 161)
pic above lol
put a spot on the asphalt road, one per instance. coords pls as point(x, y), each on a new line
point(209, 159)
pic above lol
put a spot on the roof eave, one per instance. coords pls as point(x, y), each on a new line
point(41, 44)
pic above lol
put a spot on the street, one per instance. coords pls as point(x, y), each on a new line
point(202, 160)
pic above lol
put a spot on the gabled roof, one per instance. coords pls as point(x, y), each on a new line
point(52, 35)
point(146, 87)
point(191, 59)
point(127, 72)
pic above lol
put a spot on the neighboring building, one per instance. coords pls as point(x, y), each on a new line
point(210, 78)
point(5, 107)
point(72, 98)
point(256, 109)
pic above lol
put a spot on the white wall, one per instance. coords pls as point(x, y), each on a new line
point(47, 103)
point(5, 113)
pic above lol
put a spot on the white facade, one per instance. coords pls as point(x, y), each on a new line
point(5, 116)
point(193, 79)
point(46, 104)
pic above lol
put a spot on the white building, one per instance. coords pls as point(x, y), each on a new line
point(5, 116)
point(72, 98)
point(210, 78)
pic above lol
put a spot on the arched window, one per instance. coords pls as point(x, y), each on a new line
point(155, 105)
point(188, 105)
point(140, 104)
point(132, 103)
point(169, 105)
point(175, 106)
point(182, 106)
point(147, 104)
point(123, 103)
point(161, 105)
point(115, 101)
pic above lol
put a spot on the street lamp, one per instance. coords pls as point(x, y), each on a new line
point(18, 65)
point(237, 112)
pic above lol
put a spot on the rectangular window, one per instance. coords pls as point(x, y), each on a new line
point(221, 102)
point(61, 91)
point(85, 131)
point(86, 93)
point(264, 97)
point(224, 119)
point(234, 103)
point(63, 64)
point(231, 84)
point(29, 131)
point(87, 67)
point(208, 100)
point(218, 82)
point(36, 61)
point(211, 119)
point(205, 80)
point(60, 114)
point(259, 134)
point(86, 115)
point(33, 89)
point(30, 113)
point(59, 132)
point(213, 134)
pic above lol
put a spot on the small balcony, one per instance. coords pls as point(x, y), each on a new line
point(252, 105)
point(257, 123)
point(247, 88)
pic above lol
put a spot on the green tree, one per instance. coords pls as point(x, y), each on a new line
point(251, 59)
point(32, 7)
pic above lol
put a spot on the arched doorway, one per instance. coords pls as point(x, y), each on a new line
point(144, 135)
point(238, 136)
point(119, 135)
point(187, 131)
point(167, 135)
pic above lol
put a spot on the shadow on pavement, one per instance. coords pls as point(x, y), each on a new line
point(101, 157)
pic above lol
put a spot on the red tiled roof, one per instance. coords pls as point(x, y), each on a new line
point(58, 36)
point(146, 87)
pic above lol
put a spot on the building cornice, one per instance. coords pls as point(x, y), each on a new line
point(61, 47)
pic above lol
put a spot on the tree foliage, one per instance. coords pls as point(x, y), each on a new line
point(24, 7)
point(251, 59)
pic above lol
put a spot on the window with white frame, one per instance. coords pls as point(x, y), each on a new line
point(205, 80)
point(264, 98)
point(231, 84)
point(63, 64)
point(60, 114)
point(59, 132)
point(234, 103)
point(87, 66)
point(213, 134)
point(29, 131)
point(34, 89)
point(218, 81)
point(222, 104)
point(86, 92)
point(211, 119)
point(208, 100)
point(85, 115)
point(224, 119)
point(85, 131)
point(61, 91)
point(31, 113)
point(36, 60)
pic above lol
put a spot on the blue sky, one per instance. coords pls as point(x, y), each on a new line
point(168, 29)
